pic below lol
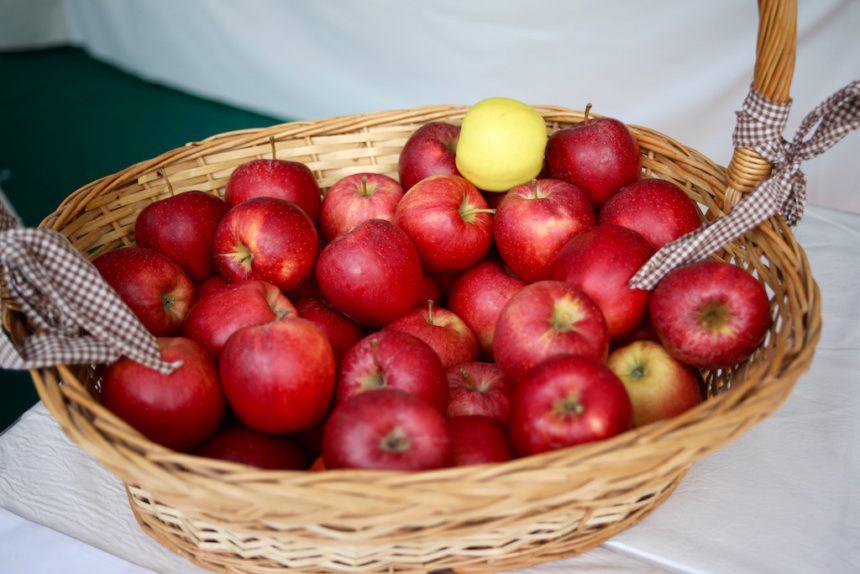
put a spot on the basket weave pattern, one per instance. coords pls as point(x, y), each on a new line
point(233, 518)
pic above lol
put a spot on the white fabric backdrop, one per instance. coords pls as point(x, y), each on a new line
point(682, 68)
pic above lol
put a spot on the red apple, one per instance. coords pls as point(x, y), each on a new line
point(479, 389)
point(357, 198)
point(155, 288)
point(210, 285)
point(309, 288)
point(183, 228)
point(318, 465)
point(598, 156)
point(660, 386)
point(478, 440)
point(657, 209)
point(218, 315)
point(386, 429)
point(341, 331)
point(449, 222)
point(430, 291)
point(565, 401)
point(279, 376)
point(392, 359)
point(443, 330)
point(710, 314)
point(179, 410)
point(600, 261)
point(282, 179)
point(269, 239)
point(535, 221)
point(545, 319)
point(430, 150)
point(644, 331)
point(237, 443)
point(371, 274)
point(478, 296)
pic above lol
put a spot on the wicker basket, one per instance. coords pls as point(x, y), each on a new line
point(232, 518)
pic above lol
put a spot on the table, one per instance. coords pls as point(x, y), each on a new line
point(782, 498)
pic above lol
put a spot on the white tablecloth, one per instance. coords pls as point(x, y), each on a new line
point(783, 498)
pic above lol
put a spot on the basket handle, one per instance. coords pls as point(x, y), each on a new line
point(774, 69)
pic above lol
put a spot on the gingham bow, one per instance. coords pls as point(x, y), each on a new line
point(759, 126)
point(77, 317)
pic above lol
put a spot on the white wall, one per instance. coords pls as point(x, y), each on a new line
point(680, 67)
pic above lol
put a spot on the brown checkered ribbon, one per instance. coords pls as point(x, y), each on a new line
point(78, 319)
point(759, 126)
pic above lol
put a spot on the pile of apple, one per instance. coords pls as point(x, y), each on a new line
point(475, 311)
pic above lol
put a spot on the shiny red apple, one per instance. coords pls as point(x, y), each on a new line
point(599, 156)
point(545, 319)
point(600, 261)
point(269, 239)
point(237, 443)
point(443, 330)
point(179, 410)
point(478, 440)
point(153, 286)
point(218, 315)
point(357, 198)
point(371, 274)
point(657, 209)
point(710, 314)
point(449, 222)
point(566, 401)
point(289, 180)
point(393, 359)
point(430, 150)
point(534, 222)
point(386, 429)
point(341, 331)
point(278, 376)
point(478, 388)
point(478, 296)
point(183, 228)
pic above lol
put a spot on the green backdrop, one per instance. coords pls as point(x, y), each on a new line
point(69, 119)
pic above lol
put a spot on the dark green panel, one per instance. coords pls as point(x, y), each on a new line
point(67, 119)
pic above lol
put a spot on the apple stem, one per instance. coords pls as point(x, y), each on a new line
point(364, 190)
point(470, 212)
point(472, 383)
point(374, 352)
point(272, 143)
point(162, 173)
point(587, 109)
point(430, 311)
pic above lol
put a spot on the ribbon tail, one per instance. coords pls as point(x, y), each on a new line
point(701, 243)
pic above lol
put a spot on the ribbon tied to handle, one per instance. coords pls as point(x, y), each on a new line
point(760, 125)
point(78, 318)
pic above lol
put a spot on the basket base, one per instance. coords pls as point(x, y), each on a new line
point(222, 549)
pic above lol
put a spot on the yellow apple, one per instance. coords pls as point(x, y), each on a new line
point(659, 386)
point(501, 145)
